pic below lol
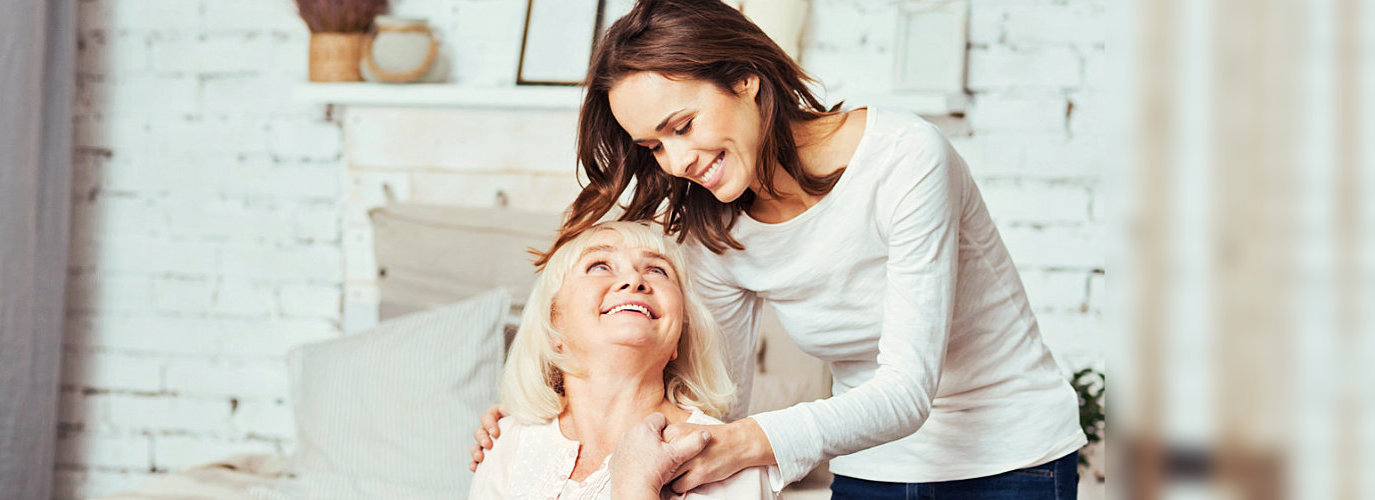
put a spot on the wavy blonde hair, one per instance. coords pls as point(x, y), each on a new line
point(696, 378)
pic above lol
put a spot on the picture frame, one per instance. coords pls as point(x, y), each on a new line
point(557, 42)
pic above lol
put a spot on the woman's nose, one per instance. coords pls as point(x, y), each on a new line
point(633, 282)
point(679, 159)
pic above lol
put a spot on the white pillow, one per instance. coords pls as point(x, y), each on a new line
point(389, 412)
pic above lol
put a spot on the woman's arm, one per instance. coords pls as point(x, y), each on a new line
point(737, 311)
point(923, 198)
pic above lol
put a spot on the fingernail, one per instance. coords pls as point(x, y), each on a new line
point(706, 436)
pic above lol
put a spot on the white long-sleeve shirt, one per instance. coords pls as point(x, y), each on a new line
point(899, 280)
point(535, 462)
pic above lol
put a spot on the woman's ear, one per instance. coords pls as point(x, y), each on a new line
point(748, 87)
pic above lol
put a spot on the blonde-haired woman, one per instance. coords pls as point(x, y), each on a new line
point(612, 333)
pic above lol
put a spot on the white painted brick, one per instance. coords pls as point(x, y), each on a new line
point(304, 139)
point(242, 379)
point(1001, 67)
point(265, 418)
point(1012, 113)
point(989, 155)
point(143, 254)
point(1086, 116)
point(273, 264)
point(139, 15)
point(128, 134)
point(234, 218)
point(1075, 339)
point(178, 452)
point(290, 59)
point(112, 370)
point(109, 293)
point(118, 215)
point(1036, 202)
point(242, 298)
point(847, 73)
point(286, 182)
point(105, 53)
point(253, 15)
point(831, 26)
point(74, 484)
point(101, 450)
point(195, 140)
point(253, 95)
point(1032, 155)
point(274, 337)
point(1095, 68)
point(143, 95)
point(486, 41)
point(149, 333)
point(182, 295)
point(1054, 290)
point(151, 414)
point(1076, 247)
point(317, 222)
point(986, 23)
point(1048, 23)
point(310, 301)
point(211, 54)
point(1077, 157)
point(1098, 292)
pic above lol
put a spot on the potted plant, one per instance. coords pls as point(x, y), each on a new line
point(1091, 385)
point(338, 29)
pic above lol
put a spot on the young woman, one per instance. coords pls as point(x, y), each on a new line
point(865, 232)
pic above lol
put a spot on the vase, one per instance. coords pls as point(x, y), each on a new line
point(401, 51)
point(334, 56)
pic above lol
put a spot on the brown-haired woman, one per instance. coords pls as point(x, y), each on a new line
point(863, 229)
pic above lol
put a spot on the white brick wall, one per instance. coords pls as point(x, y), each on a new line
point(209, 206)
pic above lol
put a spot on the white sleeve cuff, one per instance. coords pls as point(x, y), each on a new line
point(796, 443)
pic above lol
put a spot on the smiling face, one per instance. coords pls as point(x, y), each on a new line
point(696, 130)
point(618, 294)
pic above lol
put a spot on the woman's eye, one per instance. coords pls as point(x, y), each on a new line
point(598, 266)
point(657, 269)
point(656, 148)
point(685, 128)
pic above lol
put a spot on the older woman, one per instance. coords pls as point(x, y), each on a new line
point(612, 334)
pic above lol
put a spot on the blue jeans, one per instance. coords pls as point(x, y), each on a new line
point(1055, 480)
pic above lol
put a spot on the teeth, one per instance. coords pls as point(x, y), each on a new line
point(712, 171)
point(631, 307)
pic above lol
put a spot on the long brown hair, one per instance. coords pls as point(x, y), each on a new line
point(698, 40)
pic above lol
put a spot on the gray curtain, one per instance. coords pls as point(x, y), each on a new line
point(37, 52)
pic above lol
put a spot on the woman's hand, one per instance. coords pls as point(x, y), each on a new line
point(732, 448)
point(644, 461)
point(485, 434)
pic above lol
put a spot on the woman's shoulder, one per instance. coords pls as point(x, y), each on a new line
point(900, 127)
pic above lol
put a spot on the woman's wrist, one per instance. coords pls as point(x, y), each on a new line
point(758, 451)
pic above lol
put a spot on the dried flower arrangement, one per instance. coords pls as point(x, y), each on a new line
point(340, 16)
point(338, 31)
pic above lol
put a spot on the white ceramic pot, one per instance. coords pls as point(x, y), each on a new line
point(401, 50)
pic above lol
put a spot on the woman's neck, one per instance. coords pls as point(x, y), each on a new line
point(817, 144)
point(603, 403)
